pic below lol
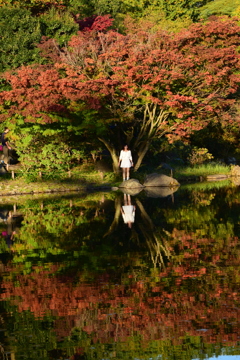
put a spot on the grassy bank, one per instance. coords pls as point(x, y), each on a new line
point(201, 171)
point(85, 177)
point(80, 179)
point(185, 173)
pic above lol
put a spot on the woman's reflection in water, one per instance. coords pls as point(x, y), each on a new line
point(128, 211)
point(144, 234)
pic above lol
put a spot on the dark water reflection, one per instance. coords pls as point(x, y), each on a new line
point(108, 276)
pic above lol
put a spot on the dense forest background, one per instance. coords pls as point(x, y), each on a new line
point(81, 78)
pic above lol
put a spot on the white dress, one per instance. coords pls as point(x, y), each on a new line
point(128, 213)
point(126, 157)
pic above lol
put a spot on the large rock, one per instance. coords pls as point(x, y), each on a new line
point(160, 180)
point(235, 181)
point(235, 170)
point(131, 184)
point(160, 192)
point(132, 192)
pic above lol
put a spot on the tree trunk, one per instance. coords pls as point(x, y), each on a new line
point(141, 153)
point(152, 127)
point(113, 153)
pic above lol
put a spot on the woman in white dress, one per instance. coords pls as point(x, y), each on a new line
point(125, 162)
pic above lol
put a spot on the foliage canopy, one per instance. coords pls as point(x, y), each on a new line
point(141, 86)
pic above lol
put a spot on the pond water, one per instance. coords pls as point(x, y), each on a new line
point(114, 276)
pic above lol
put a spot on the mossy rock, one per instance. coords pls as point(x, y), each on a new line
point(160, 180)
point(131, 184)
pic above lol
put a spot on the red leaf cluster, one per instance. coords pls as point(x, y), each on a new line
point(95, 23)
point(192, 75)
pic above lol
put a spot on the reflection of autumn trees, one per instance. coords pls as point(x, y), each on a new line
point(66, 225)
point(61, 223)
point(195, 294)
point(210, 214)
point(96, 295)
point(155, 241)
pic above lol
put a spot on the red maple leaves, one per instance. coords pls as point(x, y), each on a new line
point(191, 76)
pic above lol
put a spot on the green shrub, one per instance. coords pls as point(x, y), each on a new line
point(199, 156)
point(59, 25)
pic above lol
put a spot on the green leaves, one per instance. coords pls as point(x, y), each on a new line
point(59, 25)
point(19, 34)
point(220, 7)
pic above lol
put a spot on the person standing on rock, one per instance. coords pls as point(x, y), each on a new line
point(125, 162)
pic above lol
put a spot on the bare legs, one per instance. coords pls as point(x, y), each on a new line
point(127, 199)
point(126, 172)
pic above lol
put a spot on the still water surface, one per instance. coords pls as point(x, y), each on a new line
point(111, 276)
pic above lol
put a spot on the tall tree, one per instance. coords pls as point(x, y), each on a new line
point(19, 33)
point(142, 86)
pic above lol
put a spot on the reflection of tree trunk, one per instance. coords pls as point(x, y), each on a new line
point(146, 219)
point(115, 222)
point(155, 245)
point(5, 355)
point(113, 153)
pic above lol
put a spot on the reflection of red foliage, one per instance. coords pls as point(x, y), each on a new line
point(198, 301)
point(77, 355)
